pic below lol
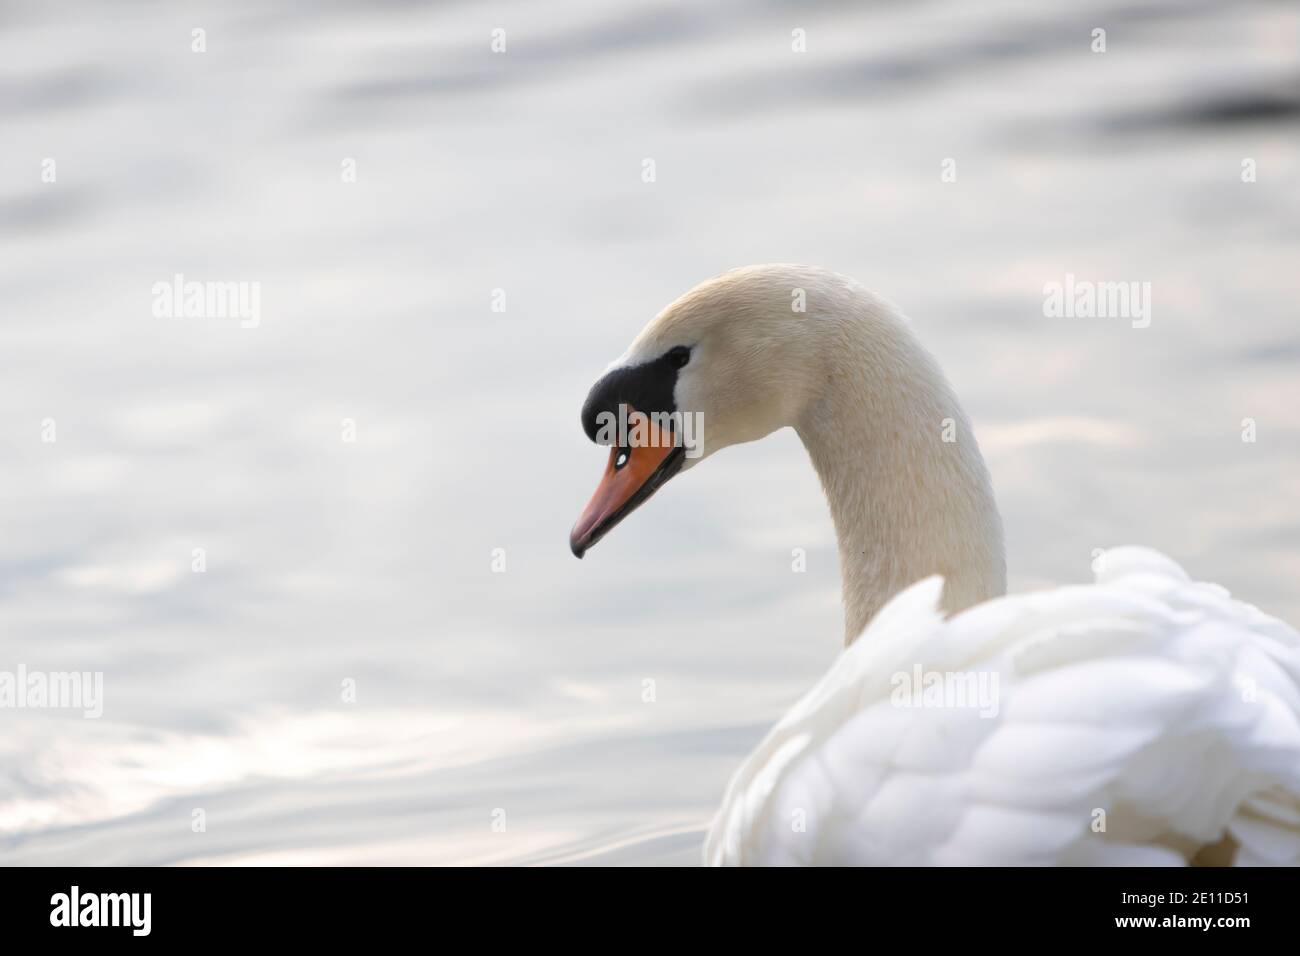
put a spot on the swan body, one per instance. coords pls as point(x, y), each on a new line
point(1145, 719)
point(1140, 720)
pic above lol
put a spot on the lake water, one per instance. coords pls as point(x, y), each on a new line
point(565, 711)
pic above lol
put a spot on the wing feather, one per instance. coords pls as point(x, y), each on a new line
point(1139, 720)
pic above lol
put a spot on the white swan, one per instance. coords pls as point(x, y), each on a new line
point(1146, 719)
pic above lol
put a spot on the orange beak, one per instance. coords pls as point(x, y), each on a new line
point(631, 477)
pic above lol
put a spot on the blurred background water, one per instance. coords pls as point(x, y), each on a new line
point(371, 561)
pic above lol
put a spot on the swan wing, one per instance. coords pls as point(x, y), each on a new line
point(1144, 719)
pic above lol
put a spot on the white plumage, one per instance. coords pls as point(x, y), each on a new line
point(1146, 719)
point(1139, 720)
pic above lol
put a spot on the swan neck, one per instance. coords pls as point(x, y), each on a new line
point(907, 487)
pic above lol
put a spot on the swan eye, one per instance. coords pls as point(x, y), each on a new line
point(621, 459)
point(678, 356)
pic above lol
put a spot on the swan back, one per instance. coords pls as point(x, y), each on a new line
point(1139, 720)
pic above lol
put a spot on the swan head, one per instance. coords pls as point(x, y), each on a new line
point(730, 361)
point(763, 347)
